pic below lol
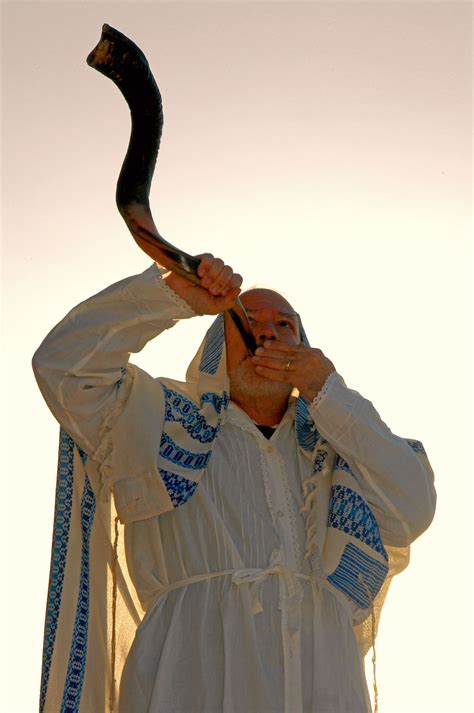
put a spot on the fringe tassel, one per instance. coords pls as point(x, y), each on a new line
point(372, 641)
point(323, 463)
point(114, 616)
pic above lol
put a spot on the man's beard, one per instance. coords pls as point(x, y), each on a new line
point(246, 384)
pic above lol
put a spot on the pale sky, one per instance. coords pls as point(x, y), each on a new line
point(320, 148)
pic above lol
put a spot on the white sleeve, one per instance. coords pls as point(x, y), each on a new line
point(82, 365)
point(393, 473)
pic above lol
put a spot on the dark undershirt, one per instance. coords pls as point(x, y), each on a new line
point(267, 431)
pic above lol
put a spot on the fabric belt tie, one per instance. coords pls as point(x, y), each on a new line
point(255, 578)
point(293, 596)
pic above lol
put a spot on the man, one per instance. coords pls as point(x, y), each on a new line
point(260, 533)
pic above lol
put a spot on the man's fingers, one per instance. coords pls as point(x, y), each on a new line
point(233, 285)
point(219, 281)
point(209, 268)
point(212, 271)
point(283, 361)
point(218, 278)
point(274, 374)
point(277, 353)
point(275, 346)
point(205, 264)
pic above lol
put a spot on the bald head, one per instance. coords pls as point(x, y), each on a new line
point(271, 316)
point(260, 296)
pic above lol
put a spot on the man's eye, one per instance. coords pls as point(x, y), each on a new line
point(283, 323)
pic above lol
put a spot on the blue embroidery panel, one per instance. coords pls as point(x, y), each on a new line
point(320, 460)
point(62, 520)
point(213, 347)
point(78, 653)
point(353, 565)
point(306, 433)
point(219, 402)
point(180, 489)
point(170, 451)
point(350, 513)
point(182, 410)
point(340, 464)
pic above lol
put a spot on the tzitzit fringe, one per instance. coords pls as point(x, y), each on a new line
point(114, 615)
point(372, 641)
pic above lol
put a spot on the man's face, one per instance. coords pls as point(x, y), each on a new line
point(271, 318)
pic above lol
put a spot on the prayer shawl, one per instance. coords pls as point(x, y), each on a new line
point(92, 609)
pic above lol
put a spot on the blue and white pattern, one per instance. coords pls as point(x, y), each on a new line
point(341, 464)
point(306, 433)
point(62, 520)
point(197, 417)
point(212, 353)
point(179, 488)
point(357, 572)
point(218, 402)
point(416, 446)
point(320, 459)
point(78, 653)
point(184, 411)
point(349, 513)
point(172, 452)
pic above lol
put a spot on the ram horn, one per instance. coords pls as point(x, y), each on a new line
point(119, 59)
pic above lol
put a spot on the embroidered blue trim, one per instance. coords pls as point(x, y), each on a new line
point(184, 411)
point(320, 460)
point(213, 346)
point(180, 489)
point(169, 450)
point(62, 520)
point(306, 433)
point(354, 564)
point(416, 446)
point(218, 402)
point(341, 464)
point(350, 513)
point(78, 653)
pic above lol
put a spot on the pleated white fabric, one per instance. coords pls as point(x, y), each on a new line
point(201, 647)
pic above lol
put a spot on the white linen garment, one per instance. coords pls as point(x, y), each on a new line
point(236, 619)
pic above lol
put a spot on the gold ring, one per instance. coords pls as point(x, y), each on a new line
point(288, 364)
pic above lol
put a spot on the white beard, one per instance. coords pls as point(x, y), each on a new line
point(246, 385)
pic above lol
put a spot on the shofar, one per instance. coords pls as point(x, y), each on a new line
point(119, 59)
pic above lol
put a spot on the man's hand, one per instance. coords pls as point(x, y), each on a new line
point(220, 286)
point(300, 366)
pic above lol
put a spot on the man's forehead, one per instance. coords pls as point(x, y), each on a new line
point(259, 299)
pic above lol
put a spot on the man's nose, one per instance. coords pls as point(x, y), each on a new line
point(266, 332)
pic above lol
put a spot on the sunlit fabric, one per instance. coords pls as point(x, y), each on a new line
point(248, 567)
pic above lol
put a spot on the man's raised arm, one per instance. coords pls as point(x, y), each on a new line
point(393, 472)
point(82, 365)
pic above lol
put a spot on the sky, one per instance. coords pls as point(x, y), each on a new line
point(320, 148)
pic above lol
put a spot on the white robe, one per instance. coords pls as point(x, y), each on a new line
point(238, 641)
